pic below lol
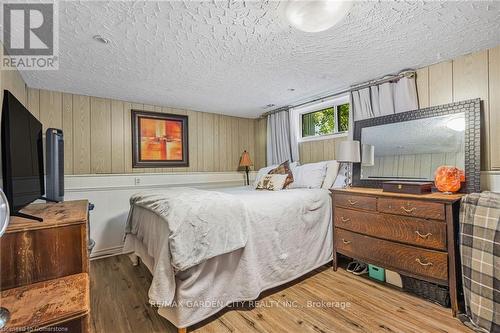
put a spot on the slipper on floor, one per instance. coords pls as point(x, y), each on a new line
point(361, 269)
point(352, 266)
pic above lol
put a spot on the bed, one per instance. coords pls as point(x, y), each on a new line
point(288, 234)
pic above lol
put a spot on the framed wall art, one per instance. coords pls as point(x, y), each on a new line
point(159, 140)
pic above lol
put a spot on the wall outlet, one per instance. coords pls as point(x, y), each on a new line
point(137, 181)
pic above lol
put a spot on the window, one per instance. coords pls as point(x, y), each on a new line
point(328, 121)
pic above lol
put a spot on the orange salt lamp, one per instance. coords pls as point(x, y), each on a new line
point(447, 179)
point(462, 175)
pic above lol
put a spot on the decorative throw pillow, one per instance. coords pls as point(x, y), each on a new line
point(272, 182)
point(262, 172)
point(283, 169)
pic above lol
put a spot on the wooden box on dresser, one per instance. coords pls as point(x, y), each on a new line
point(44, 267)
point(414, 235)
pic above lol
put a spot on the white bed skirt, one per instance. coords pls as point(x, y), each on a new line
point(185, 316)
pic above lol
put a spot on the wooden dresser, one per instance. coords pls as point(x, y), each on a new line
point(44, 269)
point(414, 235)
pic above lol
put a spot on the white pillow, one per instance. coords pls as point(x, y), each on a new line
point(309, 175)
point(264, 171)
point(274, 182)
point(332, 169)
point(339, 181)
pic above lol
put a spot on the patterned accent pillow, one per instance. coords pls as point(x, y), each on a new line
point(283, 169)
point(272, 182)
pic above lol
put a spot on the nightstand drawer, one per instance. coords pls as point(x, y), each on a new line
point(417, 262)
point(416, 208)
point(355, 201)
point(409, 230)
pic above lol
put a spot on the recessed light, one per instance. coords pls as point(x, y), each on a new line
point(101, 39)
point(269, 106)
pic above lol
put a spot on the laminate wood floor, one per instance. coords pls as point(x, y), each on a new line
point(350, 304)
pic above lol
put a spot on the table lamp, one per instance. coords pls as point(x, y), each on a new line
point(349, 153)
point(246, 162)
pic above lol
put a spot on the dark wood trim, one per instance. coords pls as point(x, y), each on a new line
point(136, 162)
point(472, 110)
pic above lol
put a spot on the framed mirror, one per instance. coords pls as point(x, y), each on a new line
point(410, 146)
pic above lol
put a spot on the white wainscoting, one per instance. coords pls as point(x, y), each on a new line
point(490, 181)
point(110, 194)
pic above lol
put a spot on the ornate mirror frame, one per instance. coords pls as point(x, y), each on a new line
point(472, 110)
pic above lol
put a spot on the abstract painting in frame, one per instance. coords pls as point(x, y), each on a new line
point(159, 140)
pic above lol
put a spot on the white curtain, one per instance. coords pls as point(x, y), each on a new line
point(278, 138)
point(294, 136)
point(387, 98)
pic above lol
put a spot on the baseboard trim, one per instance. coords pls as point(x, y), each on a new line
point(108, 252)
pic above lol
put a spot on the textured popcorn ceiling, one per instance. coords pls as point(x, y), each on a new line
point(236, 57)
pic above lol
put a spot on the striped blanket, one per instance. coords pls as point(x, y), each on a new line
point(480, 255)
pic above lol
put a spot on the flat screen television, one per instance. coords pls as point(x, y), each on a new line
point(22, 154)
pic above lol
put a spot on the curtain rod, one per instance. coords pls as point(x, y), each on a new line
point(409, 73)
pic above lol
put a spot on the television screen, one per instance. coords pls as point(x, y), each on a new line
point(22, 154)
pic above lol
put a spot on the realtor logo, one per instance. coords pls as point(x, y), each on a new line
point(30, 35)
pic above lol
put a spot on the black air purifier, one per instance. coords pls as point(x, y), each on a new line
point(54, 145)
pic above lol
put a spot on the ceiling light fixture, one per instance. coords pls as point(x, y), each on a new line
point(316, 16)
point(269, 106)
point(101, 39)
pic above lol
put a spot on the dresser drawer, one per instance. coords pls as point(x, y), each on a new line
point(428, 264)
point(355, 201)
point(425, 209)
point(410, 230)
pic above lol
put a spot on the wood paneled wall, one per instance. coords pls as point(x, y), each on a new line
point(98, 134)
point(412, 165)
point(12, 81)
point(470, 76)
point(320, 150)
point(260, 143)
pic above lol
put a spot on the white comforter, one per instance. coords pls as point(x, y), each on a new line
point(289, 234)
point(202, 224)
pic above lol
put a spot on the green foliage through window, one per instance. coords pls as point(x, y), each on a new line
point(343, 117)
point(318, 123)
point(327, 121)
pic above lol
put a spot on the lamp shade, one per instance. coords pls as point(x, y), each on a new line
point(349, 152)
point(245, 159)
point(367, 155)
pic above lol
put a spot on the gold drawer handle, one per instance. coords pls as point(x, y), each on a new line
point(423, 263)
point(409, 211)
point(345, 219)
point(352, 202)
point(423, 236)
point(346, 241)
